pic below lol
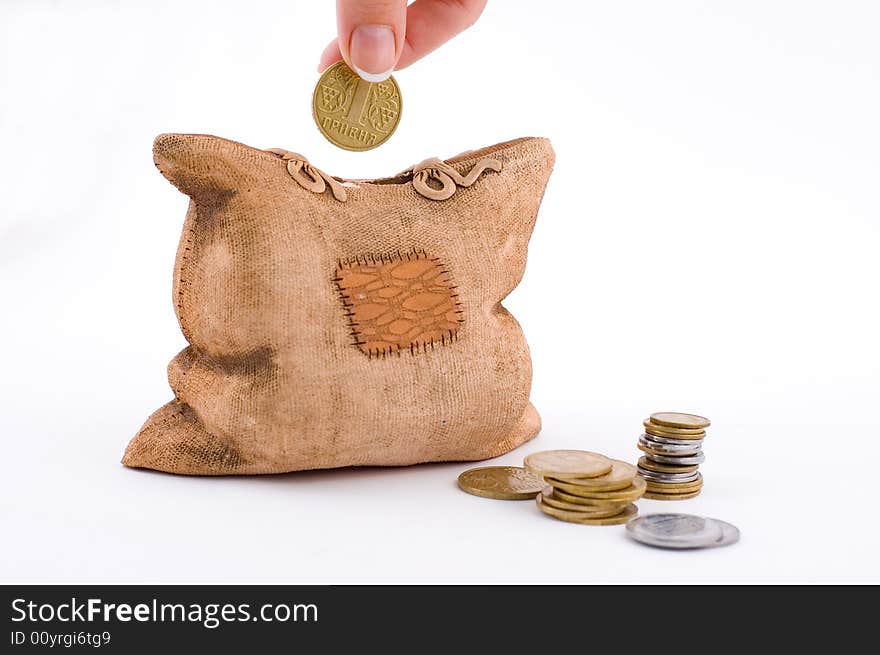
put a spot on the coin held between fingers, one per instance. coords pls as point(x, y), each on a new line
point(355, 114)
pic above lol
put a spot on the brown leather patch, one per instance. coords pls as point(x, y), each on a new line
point(398, 302)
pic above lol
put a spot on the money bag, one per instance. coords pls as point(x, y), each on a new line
point(337, 322)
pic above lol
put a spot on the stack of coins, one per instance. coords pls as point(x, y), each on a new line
point(585, 487)
point(673, 447)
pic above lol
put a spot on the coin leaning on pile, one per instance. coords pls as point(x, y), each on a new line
point(586, 488)
point(672, 444)
point(501, 482)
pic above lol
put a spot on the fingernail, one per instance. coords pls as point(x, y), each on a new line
point(372, 52)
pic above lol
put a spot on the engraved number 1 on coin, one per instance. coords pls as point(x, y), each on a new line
point(359, 102)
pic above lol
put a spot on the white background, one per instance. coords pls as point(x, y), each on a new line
point(708, 242)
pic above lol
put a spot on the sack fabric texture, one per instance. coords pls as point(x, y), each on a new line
point(339, 322)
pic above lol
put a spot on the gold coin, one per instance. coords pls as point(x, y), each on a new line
point(352, 113)
point(633, 492)
point(671, 433)
point(623, 516)
point(593, 511)
point(670, 492)
point(674, 487)
point(570, 463)
point(681, 421)
point(663, 489)
point(666, 434)
point(620, 477)
point(653, 495)
point(501, 483)
point(651, 465)
point(589, 502)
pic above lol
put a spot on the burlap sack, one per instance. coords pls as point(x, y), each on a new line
point(345, 323)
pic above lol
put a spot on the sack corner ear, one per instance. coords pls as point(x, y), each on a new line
point(548, 148)
point(170, 150)
point(530, 157)
point(176, 155)
point(200, 163)
point(542, 151)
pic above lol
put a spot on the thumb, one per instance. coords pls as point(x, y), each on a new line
point(371, 35)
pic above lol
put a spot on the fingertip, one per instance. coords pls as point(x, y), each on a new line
point(330, 56)
point(372, 52)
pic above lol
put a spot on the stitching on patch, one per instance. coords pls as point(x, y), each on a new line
point(397, 302)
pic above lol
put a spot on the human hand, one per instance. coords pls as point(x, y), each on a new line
point(376, 37)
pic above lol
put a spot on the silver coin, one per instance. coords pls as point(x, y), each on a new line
point(653, 443)
point(657, 476)
point(731, 534)
point(684, 461)
point(673, 442)
point(681, 531)
point(669, 448)
point(676, 530)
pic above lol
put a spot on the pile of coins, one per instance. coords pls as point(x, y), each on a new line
point(673, 447)
point(585, 487)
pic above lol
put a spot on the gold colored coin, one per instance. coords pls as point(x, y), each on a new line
point(674, 492)
point(633, 492)
point(352, 113)
point(680, 421)
point(666, 434)
point(620, 477)
point(674, 487)
point(593, 511)
point(623, 516)
point(501, 483)
point(664, 489)
point(672, 433)
point(589, 502)
point(569, 463)
point(653, 495)
point(651, 465)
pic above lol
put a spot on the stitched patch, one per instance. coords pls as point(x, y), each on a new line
point(398, 302)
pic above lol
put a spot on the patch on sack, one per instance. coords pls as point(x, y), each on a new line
point(398, 302)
